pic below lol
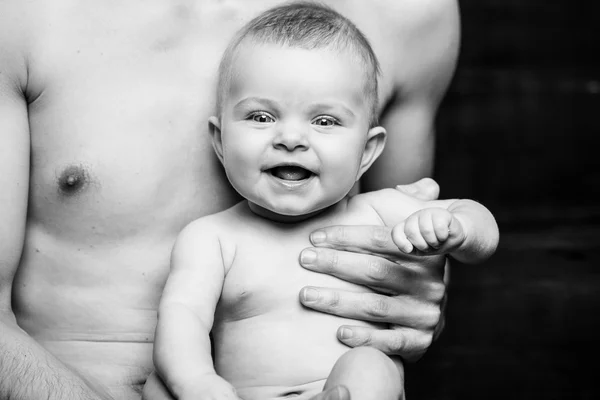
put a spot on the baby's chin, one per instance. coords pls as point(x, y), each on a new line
point(285, 214)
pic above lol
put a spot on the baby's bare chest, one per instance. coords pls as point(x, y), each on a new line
point(266, 275)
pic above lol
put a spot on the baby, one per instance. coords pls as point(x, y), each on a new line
point(296, 128)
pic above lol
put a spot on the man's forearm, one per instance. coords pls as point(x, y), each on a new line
point(28, 372)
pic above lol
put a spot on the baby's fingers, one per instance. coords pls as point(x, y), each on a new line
point(412, 230)
point(441, 221)
point(456, 233)
point(429, 226)
point(399, 238)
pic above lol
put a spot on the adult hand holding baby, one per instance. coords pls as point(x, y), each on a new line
point(410, 291)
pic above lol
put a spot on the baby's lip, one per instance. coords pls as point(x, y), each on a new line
point(291, 165)
point(290, 171)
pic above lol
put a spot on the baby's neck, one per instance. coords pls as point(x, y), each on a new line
point(295, 219)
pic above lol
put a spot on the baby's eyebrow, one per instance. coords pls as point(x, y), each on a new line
point(327, 107)
point(253, 99)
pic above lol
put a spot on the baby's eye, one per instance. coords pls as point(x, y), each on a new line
point(261, 118)
point(324, 120)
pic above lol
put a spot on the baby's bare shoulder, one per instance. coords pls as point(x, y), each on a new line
point(390, 205)
point(217, 233)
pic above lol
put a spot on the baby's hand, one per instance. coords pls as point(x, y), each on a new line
point(211, 387)
point(429, 231)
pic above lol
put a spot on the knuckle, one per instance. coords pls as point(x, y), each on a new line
point(338, 234)
point(396, 343)
point(411, 234)
point(420, 344)
point(331, 261)
point(427, 231)
point(333, 300)
point(440, 224)
point(433, 317)
point(380, 236)
point(426, 341)
point(377, 307)
point(378, 271)
point(437, 291)
point(364, 340)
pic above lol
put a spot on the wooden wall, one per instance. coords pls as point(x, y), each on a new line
point(519, 131)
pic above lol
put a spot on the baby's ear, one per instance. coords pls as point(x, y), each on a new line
point(373, 147)
point(214, 128)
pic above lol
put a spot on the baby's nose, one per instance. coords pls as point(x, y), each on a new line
point(291, 138)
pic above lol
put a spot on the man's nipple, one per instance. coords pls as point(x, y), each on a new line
point(72, 180)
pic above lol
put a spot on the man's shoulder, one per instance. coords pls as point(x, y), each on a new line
point(407, 15)
point(417, 41)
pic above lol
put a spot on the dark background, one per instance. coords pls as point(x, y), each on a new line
point(518, 131)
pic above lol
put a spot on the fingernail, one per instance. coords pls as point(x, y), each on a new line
point(310, 295)
point(318, 237)
point(308, 257)
point(346, 333)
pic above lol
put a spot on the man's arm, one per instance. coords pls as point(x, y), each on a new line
point(182, 350)
point(427, 51)
point(27, 371)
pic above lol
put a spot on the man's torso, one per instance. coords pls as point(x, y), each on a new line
point(119, 95)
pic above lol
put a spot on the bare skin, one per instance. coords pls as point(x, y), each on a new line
point(105, 157)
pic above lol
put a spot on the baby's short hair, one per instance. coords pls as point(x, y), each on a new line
point(307, 25)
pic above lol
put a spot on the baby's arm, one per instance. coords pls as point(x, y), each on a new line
point(464, 229)
point(182, 350)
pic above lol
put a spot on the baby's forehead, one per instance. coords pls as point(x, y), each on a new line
point(249, 47)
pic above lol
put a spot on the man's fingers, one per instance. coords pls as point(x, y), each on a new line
point(408, 343)
point(425, 189)
point(378, 273)
point(400, 310)
point(333, 393)
point(358, 239)
point(367, 270)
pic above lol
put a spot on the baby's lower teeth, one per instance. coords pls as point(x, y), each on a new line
point(290, 174)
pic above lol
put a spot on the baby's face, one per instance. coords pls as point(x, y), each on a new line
point(294, 126)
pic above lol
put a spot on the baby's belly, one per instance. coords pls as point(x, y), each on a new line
point(279, 354)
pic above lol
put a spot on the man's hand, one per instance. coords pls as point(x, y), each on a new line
point(410, 290)
point(425, 189)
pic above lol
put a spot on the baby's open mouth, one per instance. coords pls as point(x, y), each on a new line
point(290, 172)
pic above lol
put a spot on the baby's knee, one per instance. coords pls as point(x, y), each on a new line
point(369, 356)
point(369, 374)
